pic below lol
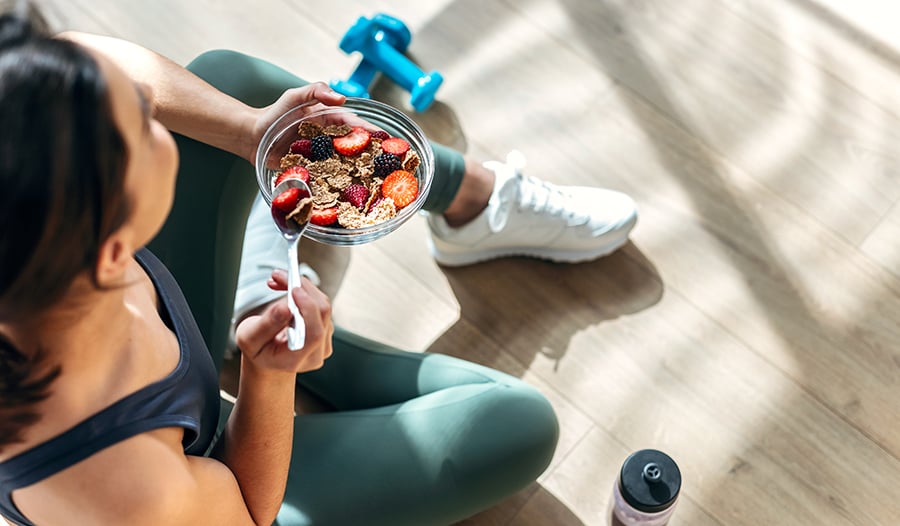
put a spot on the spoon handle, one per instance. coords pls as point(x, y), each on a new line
point(296, 332)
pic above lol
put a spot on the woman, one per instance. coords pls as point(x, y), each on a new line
point(108, 396)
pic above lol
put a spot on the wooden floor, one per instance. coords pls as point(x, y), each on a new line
point(752, 327)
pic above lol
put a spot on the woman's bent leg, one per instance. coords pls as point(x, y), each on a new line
point(420, 439)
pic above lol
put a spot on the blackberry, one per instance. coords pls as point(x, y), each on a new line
point(385, 164)
point(322, 147)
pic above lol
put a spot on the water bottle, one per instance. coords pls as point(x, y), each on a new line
point(646, 490)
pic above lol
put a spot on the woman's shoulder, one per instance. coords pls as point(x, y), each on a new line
point(146, 479)
point(113, 486)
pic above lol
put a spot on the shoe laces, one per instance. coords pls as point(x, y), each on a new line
point(541, 197)
point(532, 195)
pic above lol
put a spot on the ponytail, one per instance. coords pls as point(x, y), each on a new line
point(22, 386)
point(20, 389)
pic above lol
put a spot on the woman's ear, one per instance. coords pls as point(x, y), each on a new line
point(113, 260)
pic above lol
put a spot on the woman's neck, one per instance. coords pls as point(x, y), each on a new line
point(108, 343)
point(89, 316)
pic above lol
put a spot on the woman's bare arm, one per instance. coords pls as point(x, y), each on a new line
point(188, 105)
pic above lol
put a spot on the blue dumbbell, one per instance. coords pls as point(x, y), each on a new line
point(382, 40)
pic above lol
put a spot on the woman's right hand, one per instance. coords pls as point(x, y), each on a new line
point(262, 338)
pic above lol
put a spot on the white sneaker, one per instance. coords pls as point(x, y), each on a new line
point(529, 217)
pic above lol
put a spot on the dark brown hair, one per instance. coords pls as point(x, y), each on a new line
point(62, 169)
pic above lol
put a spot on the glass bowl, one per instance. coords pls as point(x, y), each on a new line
point(368, 113)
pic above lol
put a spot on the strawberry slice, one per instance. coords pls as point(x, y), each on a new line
point(401, 186)
point(293, 172)
point(286, 201)
point(396, 146)
point(324, 216)
point(352, 143)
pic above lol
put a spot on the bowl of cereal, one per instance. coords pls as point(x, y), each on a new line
point(369, 167)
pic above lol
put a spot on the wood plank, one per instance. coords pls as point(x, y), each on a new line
point(742, 434)
point(385, 303)
point(183, 30)
point(786, 122)
point(881, 245)
point(850, 40)
point(799, 296)
point(726, 275)
point(867, 21)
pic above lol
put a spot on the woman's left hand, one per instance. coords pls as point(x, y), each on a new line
point(315, 92)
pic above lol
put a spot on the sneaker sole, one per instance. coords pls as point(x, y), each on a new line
point(459, 259)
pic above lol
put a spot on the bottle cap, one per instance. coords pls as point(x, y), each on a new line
point(650, 481)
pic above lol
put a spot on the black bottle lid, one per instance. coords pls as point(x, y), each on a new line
point(650, 481)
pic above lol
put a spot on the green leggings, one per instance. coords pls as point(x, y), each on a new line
point(415, 439)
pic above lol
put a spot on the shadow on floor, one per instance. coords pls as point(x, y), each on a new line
point(529, 307)
point(533, 506)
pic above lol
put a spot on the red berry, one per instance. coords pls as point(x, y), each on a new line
point(401, 186)
point(381, 135)
point(396, 146)
point(303, 147)
point(356, 195)
point(293, 172)
point(286, 201)
point(352, 143)
point(324, 216)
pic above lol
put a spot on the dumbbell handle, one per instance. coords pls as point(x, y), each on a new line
point(391, 62)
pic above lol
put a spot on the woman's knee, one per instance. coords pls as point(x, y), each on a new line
point(216, 63)
point(515, 431)
point(535, 415)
